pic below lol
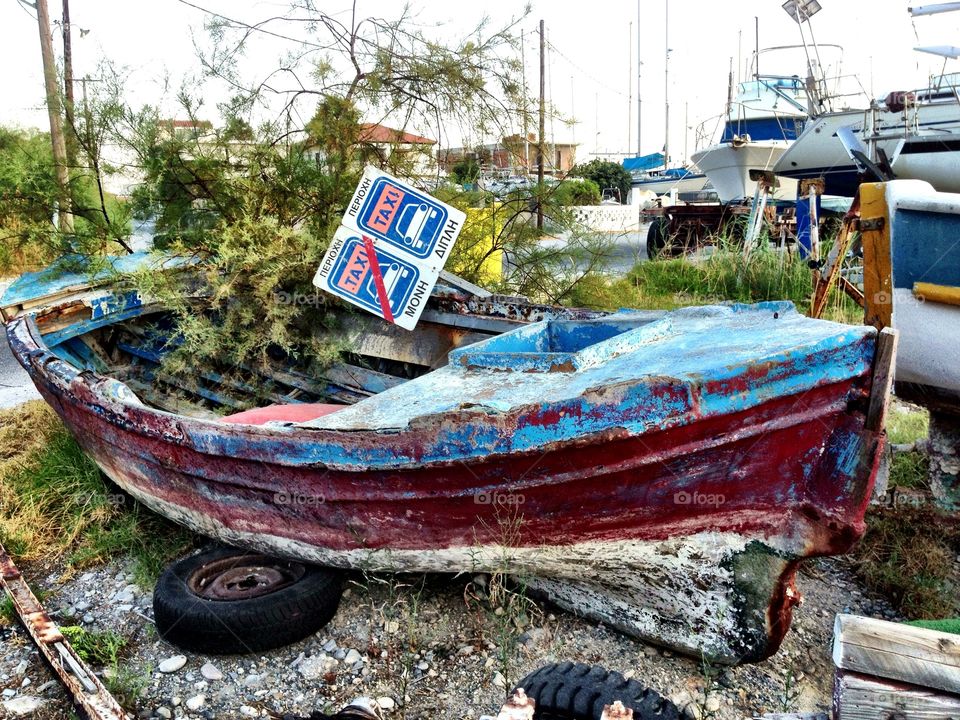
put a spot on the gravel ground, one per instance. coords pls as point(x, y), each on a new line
point(429, 653)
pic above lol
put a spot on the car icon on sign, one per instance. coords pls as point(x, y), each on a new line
point(412, 220)
point(393, 273)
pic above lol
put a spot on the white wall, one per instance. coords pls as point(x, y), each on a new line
point(608, 218)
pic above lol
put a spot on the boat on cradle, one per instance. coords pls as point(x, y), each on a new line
point(662, 473)
point(765, 117)
point(649, 175)
point(689, 183)
point(919, 132)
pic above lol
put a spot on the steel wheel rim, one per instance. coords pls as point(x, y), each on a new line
point(243, 578)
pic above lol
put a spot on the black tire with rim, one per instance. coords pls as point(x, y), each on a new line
point(657, 239)
point(227, 601)
point(574, 691)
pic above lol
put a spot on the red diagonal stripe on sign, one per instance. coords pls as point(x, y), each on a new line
point(378, 279)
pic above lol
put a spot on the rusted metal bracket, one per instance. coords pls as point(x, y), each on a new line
point(84, 687)
point(872, 224)
point(518, 707)
point(617, 711)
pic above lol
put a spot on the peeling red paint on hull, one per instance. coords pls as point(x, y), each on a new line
point(687, 536)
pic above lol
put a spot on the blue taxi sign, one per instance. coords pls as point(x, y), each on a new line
point(390, 248)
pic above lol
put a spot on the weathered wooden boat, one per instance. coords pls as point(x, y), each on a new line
point(664, 474)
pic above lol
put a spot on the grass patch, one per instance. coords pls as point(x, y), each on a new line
point(8, 615)
point(725, 275)
point(948, 625)
point(54, 501)
point(96, 648)
point(909, 470)
point(907, 424)
point(907, 555)
point(126, 685)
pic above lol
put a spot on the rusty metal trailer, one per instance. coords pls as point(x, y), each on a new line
point(686, 227)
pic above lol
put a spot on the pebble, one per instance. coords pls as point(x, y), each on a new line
point(249, 711)
point(172, 664)
point(196, 702)
point(314, 668)
point(533, 637)
point(82, 606)
point(8, 693)
point(24, 706)
point(211, 672)
point(127, 595)
point(330, 645)
point(87, 619)
point(252, 681)
point(386, 703)
point(164, 712)
point(713, 704)
point(499, 680)
point(352, 657)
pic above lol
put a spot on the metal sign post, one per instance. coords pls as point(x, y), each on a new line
point(390, 248)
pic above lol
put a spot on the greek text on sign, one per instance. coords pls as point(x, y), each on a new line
point(394, 214)
point(388, 252)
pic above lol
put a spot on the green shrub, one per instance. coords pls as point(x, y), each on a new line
point(576, 191)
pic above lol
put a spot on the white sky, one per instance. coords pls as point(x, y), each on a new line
point(590, 75)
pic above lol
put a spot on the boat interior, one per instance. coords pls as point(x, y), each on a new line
point(127, 339)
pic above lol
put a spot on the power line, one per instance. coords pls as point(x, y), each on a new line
point(248, 26)
point(584, 72)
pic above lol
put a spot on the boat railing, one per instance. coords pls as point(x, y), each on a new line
point(708, 131)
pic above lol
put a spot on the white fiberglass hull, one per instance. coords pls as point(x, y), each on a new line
point(728, 167)
point(818, 151)
point(935, 159)
point(692, 183)
point(925, 357)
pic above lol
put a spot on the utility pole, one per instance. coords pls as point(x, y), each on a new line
point(526, 128)
point(666, 84)
point(540, 147)
point(53, 111)
point(70, 136)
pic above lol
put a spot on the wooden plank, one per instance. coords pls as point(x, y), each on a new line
point(824, 282)
point(884, 359)
point(877, 265)
point(899, 652)
point(937, 293)
point(859, 697)
point(170, 403)
point(427, 346)
point(458, 283)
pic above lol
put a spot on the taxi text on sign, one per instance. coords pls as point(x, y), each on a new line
point(391, 247)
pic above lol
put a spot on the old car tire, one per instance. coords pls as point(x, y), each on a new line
point(574, 691)
point(656, 239)
point(227, 601)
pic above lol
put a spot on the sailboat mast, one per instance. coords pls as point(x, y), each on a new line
point(666, 84)
point(630, 88)
point(756, 45)
point(639, 101)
